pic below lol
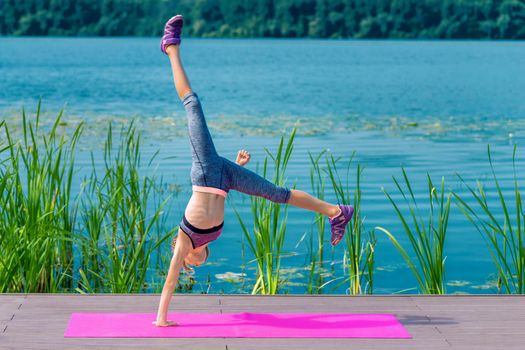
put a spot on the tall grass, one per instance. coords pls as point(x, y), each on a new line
point(38, 215)
point(427, 239)
point(121, 231)
point(316, 275)
point(360, 244)
point(266, 240)
point(504, 234)
point(100, 241)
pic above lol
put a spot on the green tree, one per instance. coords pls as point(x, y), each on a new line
point(477, 19)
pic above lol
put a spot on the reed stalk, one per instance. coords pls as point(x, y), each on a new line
point(37, 219)
point(316, 273)
point(426, 239)
point(504, 234)
point(360, 244)
point(266, 239)
point(121, 230)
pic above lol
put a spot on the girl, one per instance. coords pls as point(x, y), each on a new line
point(212, 176)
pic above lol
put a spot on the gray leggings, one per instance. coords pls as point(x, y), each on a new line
point(211, 170)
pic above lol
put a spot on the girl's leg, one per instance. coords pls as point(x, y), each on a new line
point(203, 149)
point(182, 84)
point(246, 181)
point(304, 200)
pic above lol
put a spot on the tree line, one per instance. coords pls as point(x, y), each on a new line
point(379, 19)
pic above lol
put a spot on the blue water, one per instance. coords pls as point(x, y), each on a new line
point(431, 107)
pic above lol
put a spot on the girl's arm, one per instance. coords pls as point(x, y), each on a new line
point(182, 248)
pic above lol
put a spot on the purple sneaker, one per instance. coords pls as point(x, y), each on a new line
point(172, 31)
point(339, 223)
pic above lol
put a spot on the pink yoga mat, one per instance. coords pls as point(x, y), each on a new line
point(236, 325)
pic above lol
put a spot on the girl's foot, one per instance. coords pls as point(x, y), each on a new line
point(339, 223)
point(172, 31)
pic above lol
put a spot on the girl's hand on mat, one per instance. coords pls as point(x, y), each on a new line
point(168, 323)
point(243, 157)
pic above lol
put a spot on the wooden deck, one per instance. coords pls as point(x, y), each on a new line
point(38, 321)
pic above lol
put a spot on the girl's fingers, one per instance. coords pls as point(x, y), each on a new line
point(243, 154)
point(168, 323)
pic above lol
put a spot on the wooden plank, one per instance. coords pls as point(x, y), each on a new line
point(9, 304)
point(475, 315)
point(314, 299)
point(336, 344)
point(108, 300)
point(118, 303)
point(499, 341)
point(30, 343)
point(318, 304)
point(465, 301)
point(41, 322)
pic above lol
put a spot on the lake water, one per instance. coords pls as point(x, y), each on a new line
point(426, 106)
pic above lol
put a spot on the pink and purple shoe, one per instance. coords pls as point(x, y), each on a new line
point(339, 223)
point(172, 31)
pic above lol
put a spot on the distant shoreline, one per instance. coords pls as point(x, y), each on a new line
point(351, 39)
point(453, 19)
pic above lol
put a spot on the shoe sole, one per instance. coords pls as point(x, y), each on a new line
point(174, 19)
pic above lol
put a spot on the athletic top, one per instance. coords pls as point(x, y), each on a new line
point(209, 190)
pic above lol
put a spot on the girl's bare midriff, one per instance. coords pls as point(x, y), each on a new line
point(205, 210)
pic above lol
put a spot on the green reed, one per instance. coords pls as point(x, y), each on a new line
point(269, 224)
point(360, 244)
point(505, 236)
point(427, 239)
point(121, 231)
point(37, 219)
point(317, 273)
